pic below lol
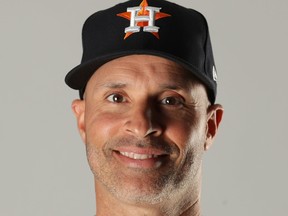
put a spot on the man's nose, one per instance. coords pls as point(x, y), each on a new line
point(143, 122)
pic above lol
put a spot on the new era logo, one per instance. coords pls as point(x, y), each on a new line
point(214, 72)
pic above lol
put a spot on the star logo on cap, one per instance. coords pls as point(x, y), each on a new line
point(144, 17)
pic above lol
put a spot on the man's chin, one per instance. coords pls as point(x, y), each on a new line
point(140, 197)
point(145, 191)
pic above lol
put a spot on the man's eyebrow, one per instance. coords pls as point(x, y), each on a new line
point(172, 86)
point(114, 85)
point(120, 85)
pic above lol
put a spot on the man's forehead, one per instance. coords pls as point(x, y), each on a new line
point(144, 66)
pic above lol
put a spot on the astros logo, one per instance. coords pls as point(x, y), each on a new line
point(143, 16)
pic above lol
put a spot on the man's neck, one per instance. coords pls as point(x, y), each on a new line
point(193, 210)
point(111, 207)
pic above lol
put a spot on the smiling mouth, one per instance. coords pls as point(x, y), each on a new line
point(138, 156)
point(140, 160)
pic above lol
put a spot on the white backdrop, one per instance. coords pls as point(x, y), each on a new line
point(43, 168)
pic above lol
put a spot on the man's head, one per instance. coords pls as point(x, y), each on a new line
point(147, 110)
point(146, 122)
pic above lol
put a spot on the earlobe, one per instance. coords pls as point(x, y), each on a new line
point(215, 114)
point(78, 108)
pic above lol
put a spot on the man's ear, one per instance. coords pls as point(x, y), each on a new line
point(78, 107)
point(215, 113)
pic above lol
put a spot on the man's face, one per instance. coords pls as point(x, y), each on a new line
point(144, 123)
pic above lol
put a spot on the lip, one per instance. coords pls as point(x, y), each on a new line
point(141, 158)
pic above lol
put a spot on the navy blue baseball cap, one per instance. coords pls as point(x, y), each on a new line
point(152, 27)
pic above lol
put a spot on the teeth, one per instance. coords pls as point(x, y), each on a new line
point(138, 156)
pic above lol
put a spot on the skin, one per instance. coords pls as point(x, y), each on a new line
point(151, 109)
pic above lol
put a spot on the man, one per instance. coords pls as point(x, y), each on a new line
point(147, 111)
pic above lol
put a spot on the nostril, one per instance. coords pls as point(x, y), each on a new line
point(142, 130)
point(151, 131)
point(141, 123)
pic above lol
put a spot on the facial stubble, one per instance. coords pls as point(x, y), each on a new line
point(140, 186)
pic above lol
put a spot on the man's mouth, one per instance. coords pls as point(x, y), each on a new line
point(138, 156)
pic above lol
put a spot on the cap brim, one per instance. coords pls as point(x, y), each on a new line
point(78, 77)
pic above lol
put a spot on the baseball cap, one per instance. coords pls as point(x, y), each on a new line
point(152, 27)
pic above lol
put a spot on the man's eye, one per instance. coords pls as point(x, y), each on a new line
point(172, 101)
point(116, 98)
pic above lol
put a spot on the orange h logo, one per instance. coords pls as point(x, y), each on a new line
point(143, 16)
